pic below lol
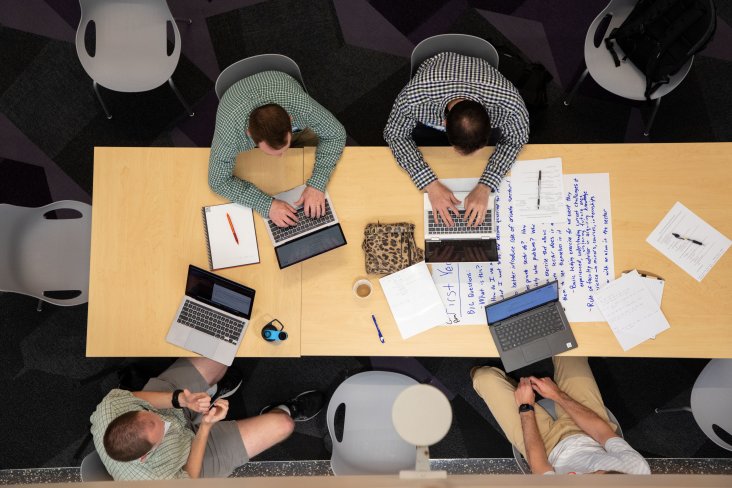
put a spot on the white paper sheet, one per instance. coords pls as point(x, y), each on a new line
point(578, 253)
point(413, 300)
point(695, 259)
point(225, 252)
point(631, 310)
point(527, 205)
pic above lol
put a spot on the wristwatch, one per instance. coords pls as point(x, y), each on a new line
point(525, 407)
point(174, 400)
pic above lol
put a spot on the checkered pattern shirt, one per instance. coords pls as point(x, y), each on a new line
point(165, 462)
point(439, 80)
point(230, 137)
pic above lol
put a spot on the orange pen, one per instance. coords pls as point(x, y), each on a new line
point(231, 224)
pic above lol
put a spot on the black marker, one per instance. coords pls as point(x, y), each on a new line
point(686, 238)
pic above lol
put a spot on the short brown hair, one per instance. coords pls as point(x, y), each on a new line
point(270, 123)
point(123, 439)
point(468, 126)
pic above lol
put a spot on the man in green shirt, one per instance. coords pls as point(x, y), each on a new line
point(170, 429)
point(271, 110)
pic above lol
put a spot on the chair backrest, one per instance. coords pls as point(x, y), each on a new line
point(256, 64)
point(626, 80)
point(39, 254)
point(711, 402)
point(92, 469)
point(369, 443)
point(131, 49)
point(455, 43)
point(549, 406)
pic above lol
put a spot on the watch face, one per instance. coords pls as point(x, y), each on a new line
point(525, 408)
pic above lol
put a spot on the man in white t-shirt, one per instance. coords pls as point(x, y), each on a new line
point(580, 441)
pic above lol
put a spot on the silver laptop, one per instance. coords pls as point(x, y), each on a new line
point(460, 243)
point(529, 327)
point(309, 237)
point(212, 317)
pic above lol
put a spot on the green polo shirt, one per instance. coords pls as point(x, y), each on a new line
point(165, 462)
point(230, 137)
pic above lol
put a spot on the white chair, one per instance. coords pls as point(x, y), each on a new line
point(711, 402)
point(256, 64)
point(626, 80)
point(92, 469)
point(455, 43)
point(40, 256)
point(131, 49)
point(549, 406)
point(369, 444)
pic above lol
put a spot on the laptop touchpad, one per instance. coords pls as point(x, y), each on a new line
point(536, 351)
point(201, 343)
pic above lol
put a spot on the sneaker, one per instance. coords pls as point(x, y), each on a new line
point(305, 406)
point(228, 385)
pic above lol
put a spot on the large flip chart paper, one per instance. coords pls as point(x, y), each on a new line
point(578, 253)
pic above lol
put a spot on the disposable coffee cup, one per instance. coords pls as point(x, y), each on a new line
point(362, 289)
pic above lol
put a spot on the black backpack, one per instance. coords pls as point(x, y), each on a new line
point(659, 36)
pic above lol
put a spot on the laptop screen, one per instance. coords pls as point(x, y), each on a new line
point(522, 302)
point(214, 290)
point(310, 245)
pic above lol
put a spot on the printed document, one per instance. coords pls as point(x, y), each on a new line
point(413, 300)
point(630, 309)
point(698, 247)
point(538, 190)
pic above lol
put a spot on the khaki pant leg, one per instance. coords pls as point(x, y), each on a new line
point(574, 376)
point(304, 138)
point(498, 393)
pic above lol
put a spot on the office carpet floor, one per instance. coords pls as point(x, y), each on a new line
point(354, 55)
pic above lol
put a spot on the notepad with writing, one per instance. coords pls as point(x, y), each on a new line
point(230, 236)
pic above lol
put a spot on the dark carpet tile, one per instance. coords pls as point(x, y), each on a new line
point(23, 184)
point(366, 117)
point(69, 10)
point(19, 49)
point(407, 16)
point(300, 30)
point(500, 6)
point(712, 78)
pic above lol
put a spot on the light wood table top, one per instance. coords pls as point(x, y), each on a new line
point(147, 228)
point(645, 181)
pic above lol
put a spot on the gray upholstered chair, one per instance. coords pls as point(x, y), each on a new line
point(368, 443)
point(711, 402)
point(549, 406)
point(256, 64)
point(92, 469)
point(43, 257)
point(626, 80)
point(130, 52)
point(455, 43)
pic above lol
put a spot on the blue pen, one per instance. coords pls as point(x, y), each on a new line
point(381, 337)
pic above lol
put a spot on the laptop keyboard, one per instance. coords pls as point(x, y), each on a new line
point(528, 328)
point(304, 224)
point(460, 227)
point(211, 322)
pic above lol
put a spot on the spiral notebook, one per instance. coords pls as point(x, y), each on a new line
point(230, 236)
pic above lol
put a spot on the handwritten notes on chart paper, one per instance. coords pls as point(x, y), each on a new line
point(578, 253)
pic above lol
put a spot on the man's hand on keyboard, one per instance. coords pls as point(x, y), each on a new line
point(313, 202)
point(282, 214)
point(443, 201)
point(476, 204)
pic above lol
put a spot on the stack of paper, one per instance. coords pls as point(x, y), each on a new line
point(632, 310)
point(413, 300)
point(538, 191)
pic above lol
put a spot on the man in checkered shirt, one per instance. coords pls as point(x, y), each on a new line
point(465, 97)
point(272, 111)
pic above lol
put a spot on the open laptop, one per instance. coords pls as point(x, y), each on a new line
point(310, 237)
point(459, 243)
point(530, 326)
point(212, 317)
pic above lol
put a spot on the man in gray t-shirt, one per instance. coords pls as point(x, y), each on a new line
point(581, 440)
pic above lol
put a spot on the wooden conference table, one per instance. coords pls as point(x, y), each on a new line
point(146, 228)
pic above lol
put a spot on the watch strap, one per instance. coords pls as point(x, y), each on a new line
point(174, 400)
point(525, 407)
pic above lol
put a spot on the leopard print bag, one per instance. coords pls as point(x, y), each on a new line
point(390, 247)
